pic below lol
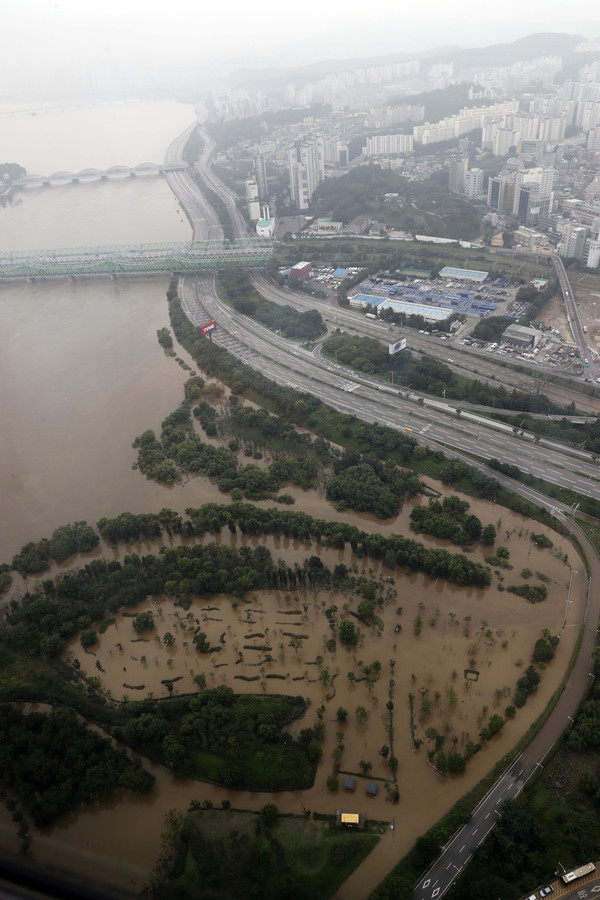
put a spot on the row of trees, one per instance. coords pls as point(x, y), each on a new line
point(395, 551)
point(238, 290)
point(34, 557)
point(434, 377)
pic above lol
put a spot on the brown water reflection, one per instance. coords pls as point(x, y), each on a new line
point(497, 642)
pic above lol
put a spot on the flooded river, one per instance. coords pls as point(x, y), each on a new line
point(81, 371)
point(82, 374)
point(488, 632)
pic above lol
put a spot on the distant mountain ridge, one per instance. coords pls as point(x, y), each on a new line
point(529, 47)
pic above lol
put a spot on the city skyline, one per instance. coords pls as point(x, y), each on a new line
point(59, 38)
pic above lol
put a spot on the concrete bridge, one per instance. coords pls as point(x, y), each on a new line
point(136, 259)
point(88, 175)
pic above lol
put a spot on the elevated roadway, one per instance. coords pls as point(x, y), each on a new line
point(435, 424)
point(431, 422)
point(472, 362)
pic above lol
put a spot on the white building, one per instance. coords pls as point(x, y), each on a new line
point(594, 140)
point(504, 139)
point(473, 184)
point(457, 169)
point(252, 200)
point(572, 245)
point(591, 256)
point(388, 145)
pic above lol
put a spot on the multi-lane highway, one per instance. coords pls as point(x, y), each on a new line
point(460, 433)
point(203, 218)
point(434, 423)
point(431, 421)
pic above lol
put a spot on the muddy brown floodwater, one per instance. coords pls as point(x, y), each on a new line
point(82, 376)
point(489, 632)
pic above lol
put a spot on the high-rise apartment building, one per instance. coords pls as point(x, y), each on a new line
point(533, 194)
point(260, 173)
point(473, 184)
point(306, 167)
point(591, 256)
point(572, 245)
point(252, 201)
point(336, 153)
point(388, 145)
point(501, 193)
point(503, 140)
point(457, 169)
point(594, 140)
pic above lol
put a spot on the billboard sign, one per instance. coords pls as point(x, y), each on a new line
point(208, 328)
point(395, 348)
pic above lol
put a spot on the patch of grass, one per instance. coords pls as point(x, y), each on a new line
point(220, 849)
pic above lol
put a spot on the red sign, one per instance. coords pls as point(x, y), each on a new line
point(207, 329)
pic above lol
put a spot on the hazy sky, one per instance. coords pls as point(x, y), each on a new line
point(54, 35)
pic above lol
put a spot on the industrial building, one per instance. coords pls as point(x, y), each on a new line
point(520, 337)
point(301, 271)
point(429, 313)
point(434, 301)
point(463, 274)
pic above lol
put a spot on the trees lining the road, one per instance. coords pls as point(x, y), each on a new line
point(433, 376)
point(307, 411)
point(293, 324)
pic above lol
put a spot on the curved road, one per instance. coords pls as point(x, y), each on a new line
point(431, 421)
point(458, 851)
point(358, 395)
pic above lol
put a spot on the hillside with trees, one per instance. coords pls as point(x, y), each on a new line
point(425, 207)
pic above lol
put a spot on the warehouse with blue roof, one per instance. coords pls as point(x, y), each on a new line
point(463, 274)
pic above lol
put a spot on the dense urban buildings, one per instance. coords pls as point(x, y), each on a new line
point(524, 148)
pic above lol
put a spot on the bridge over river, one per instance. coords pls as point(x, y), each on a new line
point(88, 175)
point(137, 259)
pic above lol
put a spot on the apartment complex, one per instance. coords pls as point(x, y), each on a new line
point(306, 168)
point(388, 145)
